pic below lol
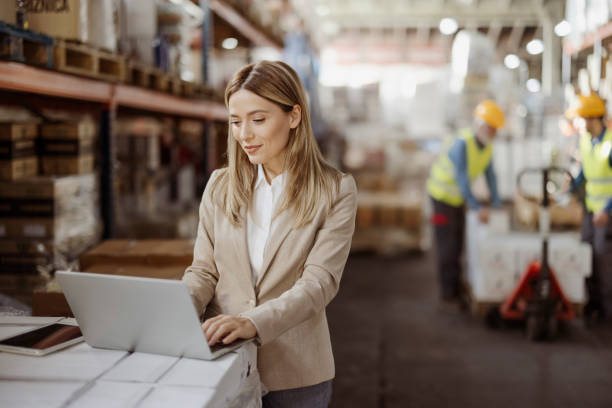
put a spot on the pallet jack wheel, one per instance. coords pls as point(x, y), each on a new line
point(536, 328)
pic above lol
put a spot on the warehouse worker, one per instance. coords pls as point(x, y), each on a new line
point(449, 188)
point(596, 172)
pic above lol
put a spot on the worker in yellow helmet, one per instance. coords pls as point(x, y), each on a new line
point(461, 162)
point(588, 113)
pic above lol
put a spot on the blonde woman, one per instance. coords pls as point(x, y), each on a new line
point(273, 238)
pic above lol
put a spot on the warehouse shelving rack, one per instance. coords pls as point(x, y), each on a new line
point(39, 88)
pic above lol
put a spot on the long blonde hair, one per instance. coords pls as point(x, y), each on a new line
point(309, 178)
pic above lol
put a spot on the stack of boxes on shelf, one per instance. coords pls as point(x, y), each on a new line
point(164, 259)
point(46, 220)
point(18, 158)
point(391, 199)
point(68, 148)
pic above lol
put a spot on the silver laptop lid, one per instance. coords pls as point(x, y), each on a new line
point(136, 314)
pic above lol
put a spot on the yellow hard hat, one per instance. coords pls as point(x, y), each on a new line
point(587, 106)
point(490, 113)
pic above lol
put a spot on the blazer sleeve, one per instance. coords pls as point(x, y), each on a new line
point(320, 279)
point(202, 276)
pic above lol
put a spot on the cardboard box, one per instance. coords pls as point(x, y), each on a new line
point(85, 130)
point(67, 20)
point(64, 210)
point(61, 165)
point(8, 11)
point(144, 271)
point(48, 303)
point(153, 253)
point(33, 256)
point(68, 148)
point(87, 21)
point(18, 169)
point(18, 131)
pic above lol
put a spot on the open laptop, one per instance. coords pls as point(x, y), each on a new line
point(138, 314)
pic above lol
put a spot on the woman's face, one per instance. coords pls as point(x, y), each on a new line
point(262, 128)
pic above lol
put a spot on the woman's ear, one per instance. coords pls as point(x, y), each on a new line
point(295, 116)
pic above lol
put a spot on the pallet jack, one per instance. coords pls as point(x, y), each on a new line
point(538, 298)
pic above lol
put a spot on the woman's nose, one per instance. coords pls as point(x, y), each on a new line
point(245, 132)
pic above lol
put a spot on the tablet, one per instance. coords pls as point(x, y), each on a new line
point(43, 340)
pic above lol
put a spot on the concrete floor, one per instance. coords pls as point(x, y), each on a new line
point(394, 348)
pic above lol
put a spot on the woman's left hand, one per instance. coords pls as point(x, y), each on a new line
point(228, 329)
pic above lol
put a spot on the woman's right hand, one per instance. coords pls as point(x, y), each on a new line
point(227, 329)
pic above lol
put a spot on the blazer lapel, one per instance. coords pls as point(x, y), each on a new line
point(239, 238)
point(283, 226)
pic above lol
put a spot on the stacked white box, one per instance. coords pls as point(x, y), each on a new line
point(497, 260)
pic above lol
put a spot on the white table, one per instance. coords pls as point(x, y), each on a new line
point(83, 376)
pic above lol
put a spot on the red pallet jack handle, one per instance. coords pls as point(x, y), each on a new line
point(515, 307)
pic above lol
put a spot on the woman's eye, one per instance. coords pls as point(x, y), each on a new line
point(235, 123)
point(259, 120)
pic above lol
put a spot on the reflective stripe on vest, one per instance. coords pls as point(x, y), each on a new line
point(442, 183)
point(597, 170)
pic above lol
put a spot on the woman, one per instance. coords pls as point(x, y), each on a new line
point(273, 238)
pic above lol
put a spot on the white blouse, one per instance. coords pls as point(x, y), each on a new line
point(259, 221)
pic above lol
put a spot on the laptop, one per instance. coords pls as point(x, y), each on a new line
point(146, 315)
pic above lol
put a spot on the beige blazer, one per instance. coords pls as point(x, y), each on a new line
point(300, 275)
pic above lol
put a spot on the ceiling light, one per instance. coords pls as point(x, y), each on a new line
point(511, 61)
point(533, 85)
point(229, 43)
point(448, 26)
point(535, 46)
point(563, 28)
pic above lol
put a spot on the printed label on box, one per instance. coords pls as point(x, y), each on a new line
point(34, 230)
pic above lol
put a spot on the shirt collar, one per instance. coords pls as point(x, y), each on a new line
point(261, 178)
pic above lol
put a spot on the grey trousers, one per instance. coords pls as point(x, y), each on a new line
point(314, 396)
point(599, 285)
point(449, 230)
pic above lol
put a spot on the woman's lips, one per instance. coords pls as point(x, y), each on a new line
point(251, 149)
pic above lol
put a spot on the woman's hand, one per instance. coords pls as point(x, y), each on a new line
point(228, 329)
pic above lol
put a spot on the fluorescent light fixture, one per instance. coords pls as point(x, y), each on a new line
point(533, 85)
point(535, 46)
point(563, 28)
point(229, 43)
point(511, 61)
point(448, 26)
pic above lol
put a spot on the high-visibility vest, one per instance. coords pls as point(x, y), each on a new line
point(442, 183)
point(597, 171)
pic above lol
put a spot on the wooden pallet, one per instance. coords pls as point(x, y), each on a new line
point(161, 80)
point(27, 46)
point(85, 60)
point(176, 86)
point(139, 74)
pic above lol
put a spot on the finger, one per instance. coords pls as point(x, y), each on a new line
point(232, 336)
point(220, 333)
point(210, 321)
point(214, 324)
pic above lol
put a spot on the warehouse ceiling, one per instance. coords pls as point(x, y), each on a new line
point(509, 23)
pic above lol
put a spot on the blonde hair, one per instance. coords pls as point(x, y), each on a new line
point(309, 178)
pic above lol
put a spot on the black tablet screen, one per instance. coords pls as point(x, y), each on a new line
point(44, 337)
